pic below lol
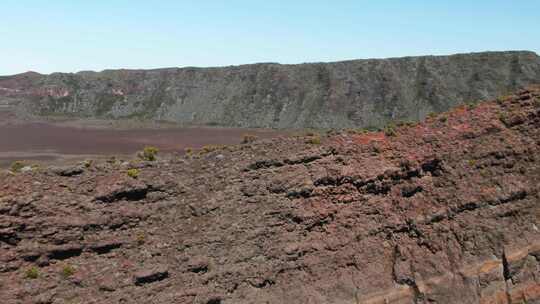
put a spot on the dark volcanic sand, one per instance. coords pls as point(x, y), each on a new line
point(41, 141)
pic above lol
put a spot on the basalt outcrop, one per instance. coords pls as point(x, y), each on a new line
point(357, 93)
point(444, 211)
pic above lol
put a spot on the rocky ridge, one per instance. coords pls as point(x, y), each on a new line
point(357, 93)
point(444, 211)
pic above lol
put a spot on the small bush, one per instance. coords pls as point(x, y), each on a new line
point(314, 140)
point(149, 153)
point(67, 271)
point(140, 238)
point(432, 115)
point(249, 138)
point(503, 99)
point(537, 101)
point(87, 163)
point(390, 130)
point(471, 104)
point(410, 124)
point(211, 148)
point(443, 118)
point(188, 151)
point(133, 173)
point(17, 166)
point(502, 117)
point(32, 273)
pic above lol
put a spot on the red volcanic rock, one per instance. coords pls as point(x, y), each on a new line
point(444, 211)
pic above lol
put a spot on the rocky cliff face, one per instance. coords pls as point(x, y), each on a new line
point(359, 93)
point(445, 211)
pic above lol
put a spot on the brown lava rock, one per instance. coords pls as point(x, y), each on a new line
point(444, 211)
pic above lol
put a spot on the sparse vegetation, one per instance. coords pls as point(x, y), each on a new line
point(211, 148)
point(188, 151)
point(314, 140)
point(31, 273)
point(17, 166)
point(390, 130)
point(140, 238)
point(471, 104)
point(503, 99)
point(502, 117)
point(133, 173)
point(149, 153)
point(249, 138)
point(443, 118)
point(87, 163)
point(67, 271)
point(432, 115)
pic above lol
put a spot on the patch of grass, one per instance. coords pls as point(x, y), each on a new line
point(432, 115)
point(314, 140)
point(471, 104)
point(140, 238)
point(133, 173)
point(67, 271)
point(503, 99)
point(87, 163)
point(16, 166)
point(31, 273)
point(502, 117)
point(211, 148)
point(471, 162)
point(390, 130)
point(248, 138)
point(149, 153)
point(411, 124)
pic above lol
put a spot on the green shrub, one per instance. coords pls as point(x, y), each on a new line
point(390, 130)
point(17, 166)
point(133, 173)
point(314, 140)
point(502, 117)
point(211, 148)
point(249, 138)
point(67, 271)
point(471, 104)
point(503, 99)
point(140, 238)
point(443, 118)
point(149, 153)
point(87, 163)
point(32, 273)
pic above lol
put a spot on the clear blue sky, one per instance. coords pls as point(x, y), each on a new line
point(67, 36)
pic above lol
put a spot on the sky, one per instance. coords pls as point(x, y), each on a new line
point(68, 36)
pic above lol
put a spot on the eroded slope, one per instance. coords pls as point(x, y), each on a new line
point(446, 211)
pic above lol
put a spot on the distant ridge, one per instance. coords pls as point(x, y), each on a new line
point(353, 93)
